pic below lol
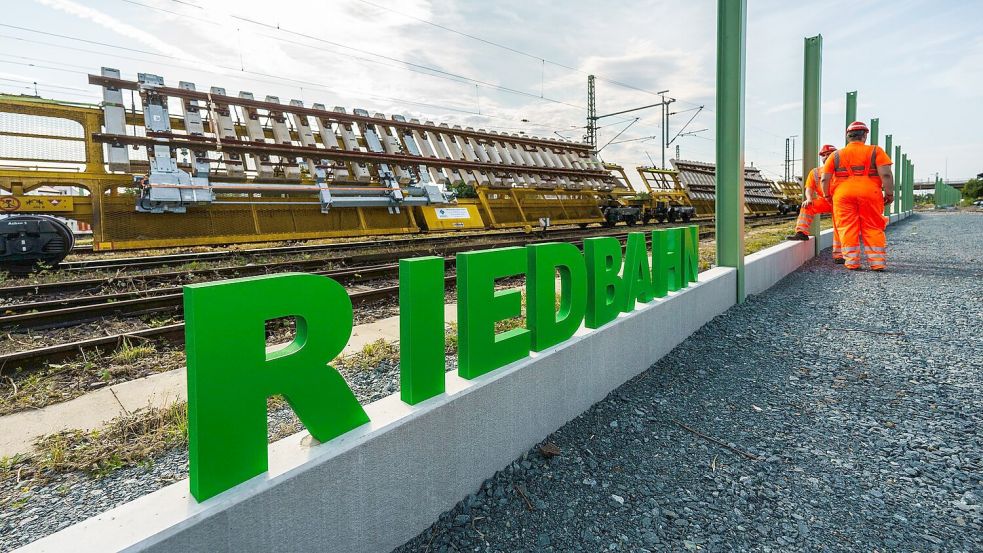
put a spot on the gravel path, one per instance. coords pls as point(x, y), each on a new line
point(798, 421)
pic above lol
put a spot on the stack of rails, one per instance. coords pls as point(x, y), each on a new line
point(698, 179)
point(229, 169)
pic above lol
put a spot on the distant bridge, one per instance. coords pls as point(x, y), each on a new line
point(930, 184)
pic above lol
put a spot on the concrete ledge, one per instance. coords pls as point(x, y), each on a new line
point(380, 485)
point(826, 239)
point(766, 267)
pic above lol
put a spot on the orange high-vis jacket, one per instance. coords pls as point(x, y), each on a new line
point(813, 180)
point(857, 161)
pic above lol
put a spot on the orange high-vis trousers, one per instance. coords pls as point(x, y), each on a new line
point(858, 212)
point(807, 214)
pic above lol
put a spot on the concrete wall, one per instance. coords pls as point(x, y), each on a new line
point(763, 269)
point(378, 486)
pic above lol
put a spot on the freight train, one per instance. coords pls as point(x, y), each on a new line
point(165, 166)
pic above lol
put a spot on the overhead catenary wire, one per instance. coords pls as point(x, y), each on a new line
point(237, 73)
point(425, 69)
point(419, 68)
point(542, 59)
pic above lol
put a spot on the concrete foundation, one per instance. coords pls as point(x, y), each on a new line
point(378, 486)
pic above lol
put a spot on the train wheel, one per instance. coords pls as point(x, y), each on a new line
point(687, 217)
point(672, 216)
point(32, 242)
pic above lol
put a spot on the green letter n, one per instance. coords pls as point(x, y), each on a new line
point(231, 373)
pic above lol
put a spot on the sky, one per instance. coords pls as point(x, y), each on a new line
point(522, 66)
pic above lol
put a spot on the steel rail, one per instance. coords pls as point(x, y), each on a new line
point(175, 333)
point(333, 116)
point(204, 143)
point(70, 311)
point(69, 286)
point(179, 258)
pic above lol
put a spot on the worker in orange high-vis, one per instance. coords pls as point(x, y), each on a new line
point(861, 182)
point(815, 203)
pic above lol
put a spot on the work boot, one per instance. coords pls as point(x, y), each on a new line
point(799, 235)
point(839, 260)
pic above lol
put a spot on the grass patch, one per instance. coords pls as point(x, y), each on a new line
point(128, 352)
point(371, 356)
point(130, 440)
point(34, 389)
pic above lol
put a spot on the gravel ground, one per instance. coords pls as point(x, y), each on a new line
point(795, 422)
point(69, 498)
point(570, 496)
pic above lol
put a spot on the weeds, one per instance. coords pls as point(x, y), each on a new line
point(372, 355)
point(130, 440)
point(128, 353)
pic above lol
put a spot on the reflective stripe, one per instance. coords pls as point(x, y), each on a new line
point(869, 168)
point(877, 248)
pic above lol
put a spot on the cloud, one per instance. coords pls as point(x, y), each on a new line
point(117, 26)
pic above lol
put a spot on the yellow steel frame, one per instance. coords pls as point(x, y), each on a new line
point(116, 225)
point(523, 207)
point(109, 205)
point(670, 189)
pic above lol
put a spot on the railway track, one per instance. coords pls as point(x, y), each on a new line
point(117, 281)
point(54, 313)
point(170, 260)
point(173, 333)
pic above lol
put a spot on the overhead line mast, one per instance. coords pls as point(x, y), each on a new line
point(591, 113)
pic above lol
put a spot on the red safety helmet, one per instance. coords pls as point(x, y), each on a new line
point(827, 150)
point(857, 126)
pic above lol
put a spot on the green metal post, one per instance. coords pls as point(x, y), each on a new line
point(851, 111)
point(811, 97)
point(731, 35)
point(911, 189)
point(904, 189)
point(888, 139)
point(907, 184)
point(898, 172)
point(875, 128)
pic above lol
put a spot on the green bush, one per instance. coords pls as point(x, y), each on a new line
point(973, 189)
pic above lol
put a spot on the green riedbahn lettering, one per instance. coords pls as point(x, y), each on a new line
point(421, 329)
point(605, 289)
point(636, 274)
point(548, 325)
point(231, 374)
point(480, 306)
